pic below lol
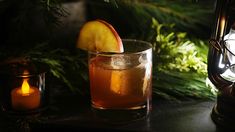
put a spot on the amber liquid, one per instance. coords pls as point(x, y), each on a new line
point(119, 88)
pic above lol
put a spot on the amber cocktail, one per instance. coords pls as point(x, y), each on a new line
point(122, 81)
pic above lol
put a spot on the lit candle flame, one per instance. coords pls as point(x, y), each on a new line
point(25, 87)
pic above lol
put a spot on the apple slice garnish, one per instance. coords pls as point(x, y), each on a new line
point(99, 36)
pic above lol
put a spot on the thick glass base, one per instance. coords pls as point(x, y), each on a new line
point(20, 114)
point(119, 116)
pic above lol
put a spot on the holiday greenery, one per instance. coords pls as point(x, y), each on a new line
point(180, 68)
point(179, 64)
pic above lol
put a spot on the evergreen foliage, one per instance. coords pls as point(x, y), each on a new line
point(30, 24)
point(179, 70)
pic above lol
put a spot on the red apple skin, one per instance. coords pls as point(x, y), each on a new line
point(88, 34)
point(119, 40)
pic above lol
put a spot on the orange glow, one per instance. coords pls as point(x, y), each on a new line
point(25, 87)
point(25, 72)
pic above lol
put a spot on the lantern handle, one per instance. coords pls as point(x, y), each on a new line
point(216, 45)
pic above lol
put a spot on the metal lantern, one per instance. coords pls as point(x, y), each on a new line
point(221, 63)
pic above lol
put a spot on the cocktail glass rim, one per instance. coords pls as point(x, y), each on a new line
point(125, 53)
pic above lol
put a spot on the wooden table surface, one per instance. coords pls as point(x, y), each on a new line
point(75, 114)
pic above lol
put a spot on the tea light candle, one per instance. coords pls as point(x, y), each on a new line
point(25, 97)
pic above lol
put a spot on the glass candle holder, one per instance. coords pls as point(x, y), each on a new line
point(24, 92)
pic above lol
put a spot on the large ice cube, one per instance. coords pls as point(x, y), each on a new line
point(124, 61)
point(134, 81)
